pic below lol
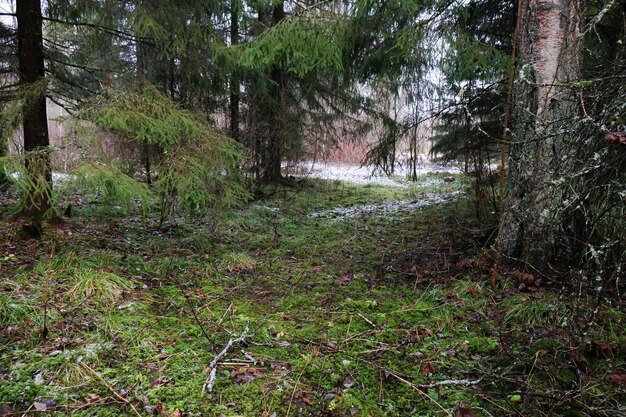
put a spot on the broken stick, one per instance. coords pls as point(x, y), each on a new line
point(210, 381)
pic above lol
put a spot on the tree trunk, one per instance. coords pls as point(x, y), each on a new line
point(277, 124)
point(35, 119)
point(234, 80)
point(544, 109)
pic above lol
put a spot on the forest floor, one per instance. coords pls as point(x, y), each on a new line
point(373, 309)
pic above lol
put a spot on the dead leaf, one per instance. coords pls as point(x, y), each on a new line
point(329, 396)
point(38, 377)
point(246, 374)
point(617, 379)
point(619, 137)
point(301, 395)
point(429, 369)
point(604, 348)
point(465, 412)
point(40, 406)
point(348, 382)
point(5, 410)
point(451, 295)
point(162, 380)
point(522, 277)
point(464, 263)
point(154, 368)
point(345, 279)
point(93, 398)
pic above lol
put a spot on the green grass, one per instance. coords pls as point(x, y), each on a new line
point(364, 315)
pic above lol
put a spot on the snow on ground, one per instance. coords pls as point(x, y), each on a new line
point(383, 209)
point(58, 178)
point(363, 175)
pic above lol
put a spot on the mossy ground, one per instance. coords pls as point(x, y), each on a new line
point(391, 315)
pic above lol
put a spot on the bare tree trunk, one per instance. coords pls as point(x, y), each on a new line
point(544, 108)
point(277, 126)
point(35, 119)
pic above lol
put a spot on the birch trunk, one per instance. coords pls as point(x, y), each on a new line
point(544, 106)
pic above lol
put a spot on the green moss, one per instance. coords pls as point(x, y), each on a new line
point(330, 317)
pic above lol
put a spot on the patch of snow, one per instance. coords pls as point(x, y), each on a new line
point(272, 209)
point(382, 209)
point(58, 178)
point(356, 174)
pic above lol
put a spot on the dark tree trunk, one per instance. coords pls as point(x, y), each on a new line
point(35, 123)
point(140, 56)
point(234, 80)
point(277, 124)
point(545, 107)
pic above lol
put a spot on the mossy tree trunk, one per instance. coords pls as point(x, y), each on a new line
point(545, 106)
point(35, 119)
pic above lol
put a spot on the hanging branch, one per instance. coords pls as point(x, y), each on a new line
point(596, 19)
point(111, 31)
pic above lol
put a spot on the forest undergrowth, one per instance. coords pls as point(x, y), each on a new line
point(379, 313)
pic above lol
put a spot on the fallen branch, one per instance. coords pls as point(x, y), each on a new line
point(110, 388)
point(210, 381)
point(464, 382)
point(368, 321)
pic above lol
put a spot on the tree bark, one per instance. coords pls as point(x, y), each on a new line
point(544, 108)
point(35, 119)
point(234, 78)
point(277, 123)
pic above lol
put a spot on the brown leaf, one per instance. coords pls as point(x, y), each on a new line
point(619, 137)
point(300, 395)
point(464, 263)
point(522, 277)
point(604, 348)
point(161, 380)
point(246, 374)
point(5, 409)
point(345, 279)
point(154, 368)
point(617, 379)
point(93, 398)
point(465, 412)
point(429, 369)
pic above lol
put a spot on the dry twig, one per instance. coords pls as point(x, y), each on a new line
point(110, 388)
point(210, 381)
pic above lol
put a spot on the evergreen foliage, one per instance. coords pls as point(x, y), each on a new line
point(475, 65)
point(199, 168)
